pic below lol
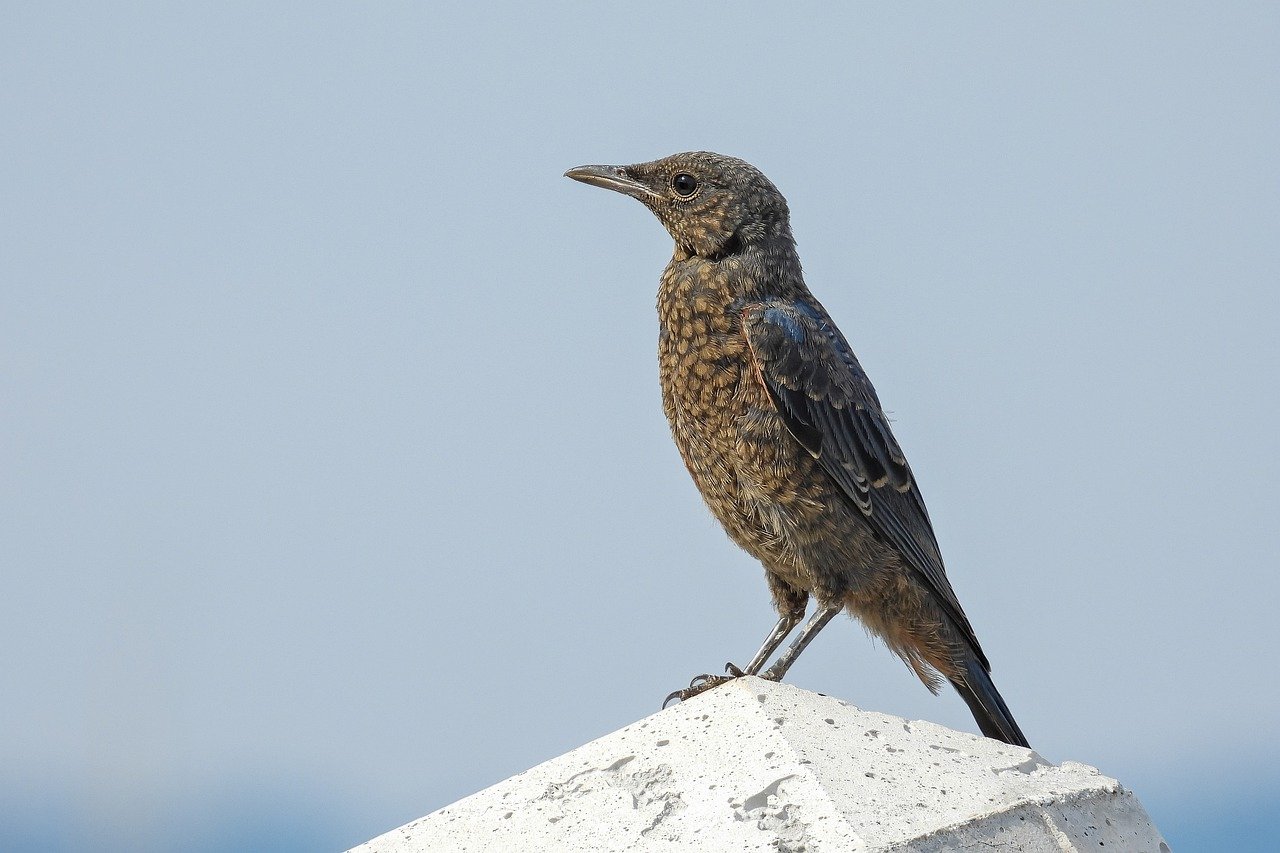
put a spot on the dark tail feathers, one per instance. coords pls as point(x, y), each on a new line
point(980, 694)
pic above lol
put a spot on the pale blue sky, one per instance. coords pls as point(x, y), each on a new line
point(335, 481)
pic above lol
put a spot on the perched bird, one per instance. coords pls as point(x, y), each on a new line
point(785, 437)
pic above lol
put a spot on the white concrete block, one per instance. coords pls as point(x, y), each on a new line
point(754, 765)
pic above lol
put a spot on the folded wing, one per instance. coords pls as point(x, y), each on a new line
point(828, 404)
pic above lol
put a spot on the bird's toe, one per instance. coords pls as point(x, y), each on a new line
point(700, 684)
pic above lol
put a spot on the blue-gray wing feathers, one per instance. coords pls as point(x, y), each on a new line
point(830, 407)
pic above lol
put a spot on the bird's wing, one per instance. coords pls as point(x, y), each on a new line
point(828, 404)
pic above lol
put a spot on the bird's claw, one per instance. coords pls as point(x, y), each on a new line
point(701, 684)
point(733, 669)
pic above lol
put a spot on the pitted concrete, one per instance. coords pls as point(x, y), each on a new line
point(755, 765)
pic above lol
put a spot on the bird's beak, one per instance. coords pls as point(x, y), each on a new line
point(612, 178)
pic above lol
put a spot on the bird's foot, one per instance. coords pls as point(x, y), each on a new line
point(700, 684)
point(703, 683)
point(773, 673)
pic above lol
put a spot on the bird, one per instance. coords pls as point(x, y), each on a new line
point(785, 437)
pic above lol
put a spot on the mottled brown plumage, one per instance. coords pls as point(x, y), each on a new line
point(784, 435)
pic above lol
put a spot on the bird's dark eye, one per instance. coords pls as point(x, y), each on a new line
point(684, 184)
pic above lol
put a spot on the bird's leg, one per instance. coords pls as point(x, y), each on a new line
point(786, 623)
point(825, 613)
point(701, 683)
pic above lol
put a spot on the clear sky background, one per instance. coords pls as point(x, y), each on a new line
point(334, 484)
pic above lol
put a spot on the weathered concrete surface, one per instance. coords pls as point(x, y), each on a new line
point(760, 766)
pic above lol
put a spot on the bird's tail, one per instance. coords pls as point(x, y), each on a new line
point(980, 694)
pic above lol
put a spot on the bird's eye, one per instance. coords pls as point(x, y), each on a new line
point(684, 184)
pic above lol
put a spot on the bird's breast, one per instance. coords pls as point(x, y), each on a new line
point(721, 417)
point(703, 360)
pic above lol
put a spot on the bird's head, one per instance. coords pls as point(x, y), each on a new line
point(711, 204)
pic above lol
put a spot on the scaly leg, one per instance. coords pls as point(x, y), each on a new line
point(825, 613)
point(779, 633)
